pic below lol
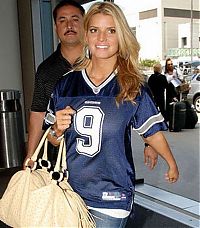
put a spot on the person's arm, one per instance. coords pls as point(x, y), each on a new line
point(159, 143)
point(150, 156)
point(35, 133)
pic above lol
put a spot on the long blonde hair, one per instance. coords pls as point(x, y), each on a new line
point(128, 76)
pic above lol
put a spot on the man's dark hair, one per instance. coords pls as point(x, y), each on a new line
point(66, 3)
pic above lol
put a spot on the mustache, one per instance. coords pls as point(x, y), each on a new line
point(70, 31)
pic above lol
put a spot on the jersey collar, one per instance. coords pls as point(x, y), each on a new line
point(96, 89)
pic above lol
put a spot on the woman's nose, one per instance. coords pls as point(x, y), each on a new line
point(102, 36)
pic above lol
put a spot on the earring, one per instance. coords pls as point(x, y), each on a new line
point(87, 53)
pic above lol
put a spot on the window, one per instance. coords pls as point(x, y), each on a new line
point(184, 42)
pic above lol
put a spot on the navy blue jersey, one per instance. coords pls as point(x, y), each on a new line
point(99, 154)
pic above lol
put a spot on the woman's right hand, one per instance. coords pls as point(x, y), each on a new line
point(63, 120)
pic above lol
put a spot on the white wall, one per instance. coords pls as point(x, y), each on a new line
point(10, 62)
point(10, 65)
point(148, 35)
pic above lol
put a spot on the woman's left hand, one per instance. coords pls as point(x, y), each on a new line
point(172, 175)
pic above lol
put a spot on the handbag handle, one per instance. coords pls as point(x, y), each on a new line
point(58, 173)
point(45, 157)
point(61, 157)
point(61, 163)
point(37, 151)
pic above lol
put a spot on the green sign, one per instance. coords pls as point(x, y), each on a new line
point(183, 52)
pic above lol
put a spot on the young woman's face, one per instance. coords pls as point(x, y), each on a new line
point(101, 37)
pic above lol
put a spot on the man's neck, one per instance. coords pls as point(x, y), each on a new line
point(71, 53)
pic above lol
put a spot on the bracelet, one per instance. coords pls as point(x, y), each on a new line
point(146, 145)
point(53, 134)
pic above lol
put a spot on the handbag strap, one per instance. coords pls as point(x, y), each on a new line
point(64, 157)
point(47, 164)
point(37, 151)
point(61, 163)
point(60, 156)
point(44, 157)
point(64, 161)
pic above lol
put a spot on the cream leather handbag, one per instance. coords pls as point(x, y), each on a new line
point(38, 198)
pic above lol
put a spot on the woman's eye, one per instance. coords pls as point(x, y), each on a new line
point(112, 31)
point(93, 30)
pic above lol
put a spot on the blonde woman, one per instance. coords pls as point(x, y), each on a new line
point(96, 106)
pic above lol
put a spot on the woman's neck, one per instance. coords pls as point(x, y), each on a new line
point(99, 72)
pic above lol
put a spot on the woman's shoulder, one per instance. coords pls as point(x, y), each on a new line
point(68, 78)
point(70, 75)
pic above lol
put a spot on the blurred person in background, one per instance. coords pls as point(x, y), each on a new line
point(158, 84)
point(173, 82)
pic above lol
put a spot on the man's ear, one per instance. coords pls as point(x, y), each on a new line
point(55, 28)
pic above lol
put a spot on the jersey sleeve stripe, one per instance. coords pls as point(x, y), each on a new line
point(149, 123)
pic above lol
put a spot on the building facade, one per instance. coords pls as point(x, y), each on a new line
point(166, 28)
